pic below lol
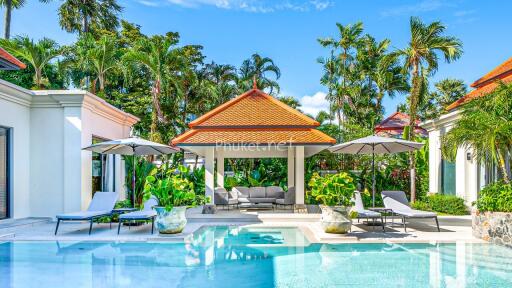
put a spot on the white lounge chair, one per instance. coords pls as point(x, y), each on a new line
point(147, 213)
point(398, 203)
point(364, 213)
point(101, 205)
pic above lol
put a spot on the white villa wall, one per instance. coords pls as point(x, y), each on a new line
point(50, 172)
point(15, 114)
point(467, 172)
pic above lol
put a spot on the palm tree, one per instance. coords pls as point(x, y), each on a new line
point(38, 54)
point(343, 52)
point(101, 58)
point(154, 54)
point(81, 15)
point(485, 126)
point(448, 91)
point(259, 67)
point(421, 59)
point(9, 5)
point(224, 79)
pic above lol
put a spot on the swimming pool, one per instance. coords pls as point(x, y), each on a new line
point(223, 256)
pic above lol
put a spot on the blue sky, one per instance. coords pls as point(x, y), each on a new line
point(287, 31)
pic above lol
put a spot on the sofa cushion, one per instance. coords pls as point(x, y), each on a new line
point(241, 191)
point(243, 200)
point(257, 192)
point(273, 191)
point(262, 200)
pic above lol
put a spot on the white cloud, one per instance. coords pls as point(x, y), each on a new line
point(254, 6)
point(314, 104)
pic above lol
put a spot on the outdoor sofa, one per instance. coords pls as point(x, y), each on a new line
point(397, 202)
point(147, 213)
point(250, 195)
point(101, 205)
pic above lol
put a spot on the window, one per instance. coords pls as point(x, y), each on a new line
point(103, 170)
point(4, 173)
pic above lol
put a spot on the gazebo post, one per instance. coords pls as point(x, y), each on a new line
point(299, 175)
point(209, 166)
point(220, 169)
point(291, 166)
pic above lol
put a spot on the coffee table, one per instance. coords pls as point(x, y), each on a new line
point(256, 206)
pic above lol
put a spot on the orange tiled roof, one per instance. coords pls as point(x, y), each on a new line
point(4, 55)
point(253, 108)
point(253, 118)
point(498, 72)
point(394, 125)
point(486, 89)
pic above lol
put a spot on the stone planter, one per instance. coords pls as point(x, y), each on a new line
point(495, 227)
point(171, 222)
point(336, 219)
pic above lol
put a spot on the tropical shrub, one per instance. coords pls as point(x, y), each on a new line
point(332, 189)
point(171, 191)
point(496, 197)
point(143, 169)
point(448, 204)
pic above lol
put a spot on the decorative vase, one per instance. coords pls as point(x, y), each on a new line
point(336, 219)
point(171, 222)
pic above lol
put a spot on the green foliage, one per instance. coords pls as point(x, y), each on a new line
point(37, 54)
point(144, 169)
point(486, 127)
point(173, 190)
point(332, 189)
point(496, 197)
point(448, 204)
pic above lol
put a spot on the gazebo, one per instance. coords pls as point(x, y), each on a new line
point(254, 125)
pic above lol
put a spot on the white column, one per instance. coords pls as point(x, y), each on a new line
point(76, 189)
point(291, 167)
point(434, 155)
point(220, 169)
point(299, 175)
point(209, 165)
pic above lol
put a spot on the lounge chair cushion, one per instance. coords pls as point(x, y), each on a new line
point(103, 201)
point(368, 214)
point(416, 213)
point(138, 215)
point(83, 215)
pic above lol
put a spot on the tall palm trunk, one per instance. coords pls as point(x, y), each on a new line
point(413, 108)
point(7, 19)
point(502, 165)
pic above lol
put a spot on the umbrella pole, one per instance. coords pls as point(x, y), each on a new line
point(133, 178)
point(373, 172)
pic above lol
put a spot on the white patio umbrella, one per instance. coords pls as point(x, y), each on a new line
point(132, 146)
point(375, 145)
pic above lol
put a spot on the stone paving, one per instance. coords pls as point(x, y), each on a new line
point(453, 228)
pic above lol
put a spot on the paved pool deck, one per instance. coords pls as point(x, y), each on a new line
point(453, 229)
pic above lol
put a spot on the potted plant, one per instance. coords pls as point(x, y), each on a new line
point(174, 195)
point(334, 192)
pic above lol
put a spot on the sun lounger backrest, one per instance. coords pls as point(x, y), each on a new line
point(395, 200)
point(150, 203)
point(358, 201)
point(103, 201)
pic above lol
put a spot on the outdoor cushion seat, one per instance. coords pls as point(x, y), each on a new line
point(241, 191)
point(262, 200)
point(274, 192)
point(101, 205)
point(257, 192)
point(398, 203)
point(84, 215)
point(147, 213)
point(416, 213)
point(288, 198)
point(365, 213)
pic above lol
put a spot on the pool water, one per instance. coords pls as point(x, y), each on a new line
point(225, 256)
